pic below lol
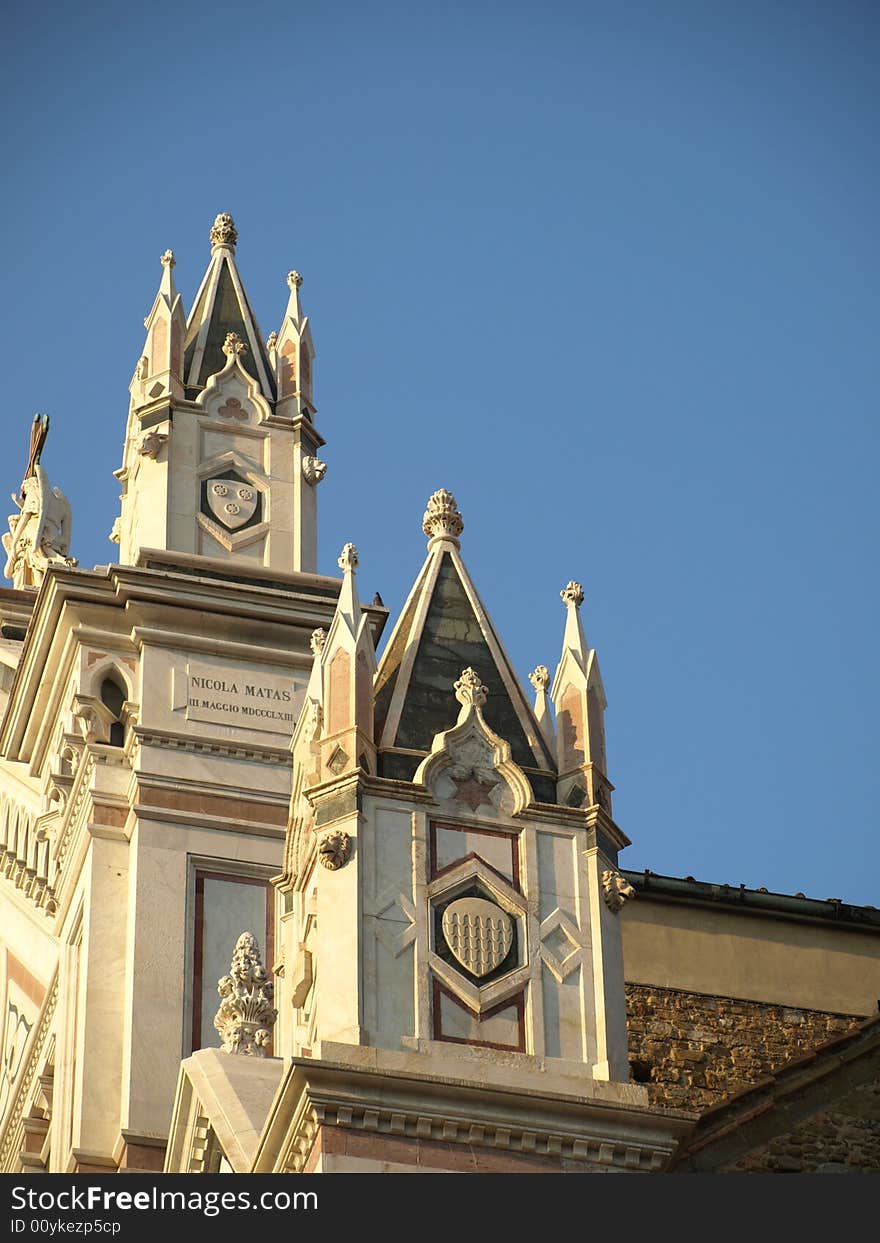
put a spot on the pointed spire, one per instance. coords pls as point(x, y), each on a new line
point(293, 355)
point(294, 284)
point(221, 307)
point(444, 626)
point(574, 639)
point(540, 680)
point(348, 663)
point(158, 374)
point(166, 287)
point(579, 699)
point(349, 605)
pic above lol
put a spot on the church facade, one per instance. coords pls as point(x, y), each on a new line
point(403, 871)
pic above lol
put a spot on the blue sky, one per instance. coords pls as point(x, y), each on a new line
point(607, 271)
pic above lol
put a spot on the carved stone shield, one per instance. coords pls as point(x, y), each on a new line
point(231, 502)
point(479, 934)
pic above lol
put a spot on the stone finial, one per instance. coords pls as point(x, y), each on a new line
point(272, 341)
point(442, 516)
point(246, 1013)
point(167, 260)
point(317, 641)
point(233, 344)
point(294, 280)
point(573, 593)
point(469, 689)
point(223, 231)
point(540, 678)
point(348, 558)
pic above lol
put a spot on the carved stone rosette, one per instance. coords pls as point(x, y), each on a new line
point(246, 1013)
point(442, 516)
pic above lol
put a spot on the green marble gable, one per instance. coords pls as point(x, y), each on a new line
point(452, 640)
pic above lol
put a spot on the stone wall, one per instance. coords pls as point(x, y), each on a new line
point(692, 1050)
point(844, 1139)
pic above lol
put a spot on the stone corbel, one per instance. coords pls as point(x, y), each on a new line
point(303, 977)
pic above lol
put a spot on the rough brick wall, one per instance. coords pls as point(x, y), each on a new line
point(693, 1050)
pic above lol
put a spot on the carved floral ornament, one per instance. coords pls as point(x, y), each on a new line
point(167, 259)
point(442, 517)
point(317, 640)
point(223, 231)
point(294, 280)
point(616, 890)
point(233, 345)
point(540, 678)
point(573, 593)
point(348, 558)
point(469, 689)
point(246, 1013)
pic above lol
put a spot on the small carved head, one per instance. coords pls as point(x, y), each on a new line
point(313, 469)
point(616, 890)
point(334, 849)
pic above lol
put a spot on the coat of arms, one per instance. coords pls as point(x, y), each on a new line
point(232, 502)
point(479, 934)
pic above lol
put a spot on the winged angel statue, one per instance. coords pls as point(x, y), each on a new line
point(39, 533)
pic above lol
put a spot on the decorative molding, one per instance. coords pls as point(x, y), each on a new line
point(460, 1117)
point(10, 1140)
point(202, 746)
point(472, 764)
point(246, 1016)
